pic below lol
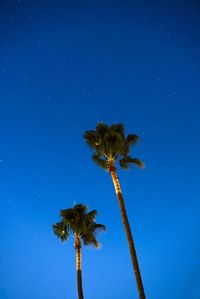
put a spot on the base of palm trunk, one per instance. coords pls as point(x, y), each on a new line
point(79, 284)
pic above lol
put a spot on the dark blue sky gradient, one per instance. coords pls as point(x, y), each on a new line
point(64, 66)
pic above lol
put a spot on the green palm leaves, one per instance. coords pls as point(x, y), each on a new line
point(78, 222)
point(110, 144)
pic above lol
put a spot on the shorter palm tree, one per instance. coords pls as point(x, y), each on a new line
point(81, 224)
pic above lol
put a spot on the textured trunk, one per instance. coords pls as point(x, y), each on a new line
point(77, 245)
point(128, 232)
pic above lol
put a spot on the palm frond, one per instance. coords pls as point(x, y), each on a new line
point(114, 139)
point(102, 129)
point(91, 138)
point(61, 231)
point(90, 240)
point(99, 227)
point(130, 140)
point(117, 128)
point(90, 237)
point(80, 208)
point(126, 161)
point(123, 164)
point(114, 143)
point(138, 162)
point(91, 216)
point(102, 163)
point(67, 215)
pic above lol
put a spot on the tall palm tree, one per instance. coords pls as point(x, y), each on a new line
point(110, 145)
point(81, 224)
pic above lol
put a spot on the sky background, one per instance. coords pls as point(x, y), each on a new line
point(64, 67)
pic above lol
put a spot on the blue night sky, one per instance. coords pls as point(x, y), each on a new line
point(64, 67)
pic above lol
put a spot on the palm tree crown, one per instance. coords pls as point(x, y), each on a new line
point(80, 223)
point(110, 144)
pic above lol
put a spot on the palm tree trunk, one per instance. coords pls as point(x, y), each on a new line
point(77, 244)
point(128, 233)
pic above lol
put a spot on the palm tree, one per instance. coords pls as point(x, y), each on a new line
point(110, 145)
point(81, 224)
